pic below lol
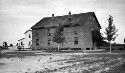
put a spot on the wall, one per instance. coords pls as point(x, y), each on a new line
point(28, 41)
point(19, 42)
point(83, 33)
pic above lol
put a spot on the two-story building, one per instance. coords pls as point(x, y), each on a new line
point(77, 31)
point(27, 41)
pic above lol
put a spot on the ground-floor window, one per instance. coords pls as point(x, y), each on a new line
point(49, 41)
point(75, 40)
point(37, 41)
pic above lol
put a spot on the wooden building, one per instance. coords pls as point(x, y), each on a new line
point(77, 31)
point(28, 39)
point(21, 42)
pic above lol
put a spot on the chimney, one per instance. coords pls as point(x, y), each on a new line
point(69, 14)
point(52, 16)
point(69, 17)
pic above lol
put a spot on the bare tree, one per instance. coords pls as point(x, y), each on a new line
point(111, 31)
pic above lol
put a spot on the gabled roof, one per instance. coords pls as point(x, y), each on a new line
point(75, 19)
point(27, 31)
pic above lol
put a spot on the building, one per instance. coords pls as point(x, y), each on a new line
point(77, 31)
point(21, 42)
point(28, 39)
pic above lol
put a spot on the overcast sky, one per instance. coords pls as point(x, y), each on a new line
point(17, 16)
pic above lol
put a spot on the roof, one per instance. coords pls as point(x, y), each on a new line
point(27, 31)
point(75, 19)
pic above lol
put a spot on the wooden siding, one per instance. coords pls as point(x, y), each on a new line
point(83, 34)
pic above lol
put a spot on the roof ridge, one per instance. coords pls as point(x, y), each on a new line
point(68, 15)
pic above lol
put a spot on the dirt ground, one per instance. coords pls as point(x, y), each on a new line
point(61, 62)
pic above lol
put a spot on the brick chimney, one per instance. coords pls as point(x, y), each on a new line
point(52, 16)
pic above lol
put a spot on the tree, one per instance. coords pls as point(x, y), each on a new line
point(5, 45)
point(97, 38)
point(58, 35)
point(11, 45)
point(110, 31)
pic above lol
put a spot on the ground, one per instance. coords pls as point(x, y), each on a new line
point(62, 62)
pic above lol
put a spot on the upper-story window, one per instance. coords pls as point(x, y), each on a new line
point(29, 36)
point(37, 33)
point(48, 32)
point(75, 40)
point(21, 43)
point(75, 31)
point(62, 31)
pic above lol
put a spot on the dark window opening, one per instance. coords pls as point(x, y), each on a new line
point(48, 32)
point(66, 25)
point(37, 41)
point(21, 43)
point(49, 41)
point(75, 40)
point(29, 36)
point(87, 48)
point(75, 48)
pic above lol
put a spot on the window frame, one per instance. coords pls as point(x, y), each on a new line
point(76, 40)
point(48, 32)
point(49, 41)
point(37, 42)
point(75, 31)
point(29, 36)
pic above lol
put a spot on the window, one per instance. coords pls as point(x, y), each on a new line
point(29, 43)
point(37, 41)
point(62, 31)
point(75, 31)
point(21, 43)
point(49, 41)
point(48, 32)
point(75, 40)
point(37, 33)
point(29, 36)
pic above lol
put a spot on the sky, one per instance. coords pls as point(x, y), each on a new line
point(17, 16)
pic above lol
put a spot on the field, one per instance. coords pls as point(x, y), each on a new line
point(62, 62)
